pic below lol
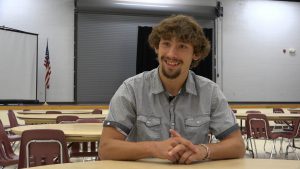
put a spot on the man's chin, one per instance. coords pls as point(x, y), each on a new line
point(171, 75)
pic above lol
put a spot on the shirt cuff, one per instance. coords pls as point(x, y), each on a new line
point(120, 127)
point(227, 132)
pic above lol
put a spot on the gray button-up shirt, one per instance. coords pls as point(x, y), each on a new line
point(140, 109)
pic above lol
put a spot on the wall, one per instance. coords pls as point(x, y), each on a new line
point(255, 69)
point(254, 35)
point(52, 20)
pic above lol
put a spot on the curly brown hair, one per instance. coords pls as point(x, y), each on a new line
point(185, 29)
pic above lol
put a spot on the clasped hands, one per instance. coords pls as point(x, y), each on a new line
point(179, 150)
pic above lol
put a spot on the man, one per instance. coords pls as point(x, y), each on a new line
point(169, 112)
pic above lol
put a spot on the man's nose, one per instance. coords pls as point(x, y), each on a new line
point(172, 52)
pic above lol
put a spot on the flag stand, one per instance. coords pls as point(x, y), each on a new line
point(45, 103)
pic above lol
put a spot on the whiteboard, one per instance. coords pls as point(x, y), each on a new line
point(257, 63)
point(18, 65)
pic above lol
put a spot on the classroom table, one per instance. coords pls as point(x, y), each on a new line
point(63, 112)
point(74, 132)
point(163, 164)
point(104, 111)
point(294, 111)
point(286, 116)
point(51, 118)
point(271, 116)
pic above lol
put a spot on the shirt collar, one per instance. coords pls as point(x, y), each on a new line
point(156, 85)
point(190, 86)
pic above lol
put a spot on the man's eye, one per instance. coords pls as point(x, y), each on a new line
point(166, 44)
point(182, 46)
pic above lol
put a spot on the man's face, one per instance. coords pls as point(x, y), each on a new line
point(174, 57)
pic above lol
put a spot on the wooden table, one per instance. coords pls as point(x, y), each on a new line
point(63, 111)
point(51, 118)
point(286, 116)
point(221, 164)
point(272, 116)
point(104, 111)
point(74, 132)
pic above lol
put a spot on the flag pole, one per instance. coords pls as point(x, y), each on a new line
point(46, 72)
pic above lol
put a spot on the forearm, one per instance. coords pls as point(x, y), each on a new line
point(231, 147)
point(114, 149)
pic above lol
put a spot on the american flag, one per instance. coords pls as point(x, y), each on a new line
point(48, 68)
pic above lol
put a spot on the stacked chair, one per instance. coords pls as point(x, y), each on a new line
point(7, 155)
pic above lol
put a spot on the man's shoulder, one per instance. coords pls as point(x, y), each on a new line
point(202, 81)
point(141, 77)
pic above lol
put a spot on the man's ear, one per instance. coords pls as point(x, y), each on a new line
point(156, 50)
point(196, 57)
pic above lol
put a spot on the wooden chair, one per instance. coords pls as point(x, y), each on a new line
point(42, 147)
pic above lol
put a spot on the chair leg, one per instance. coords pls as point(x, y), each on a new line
point(287, 152)
point(273, 149)
point(255, 147)
point(251, 147)
point(280, 149)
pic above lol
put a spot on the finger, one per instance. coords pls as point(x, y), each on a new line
point(187, 143)
point(185, 156)
point(192, 158)
point(174, 158)
point(177, 149)
point(174, 133)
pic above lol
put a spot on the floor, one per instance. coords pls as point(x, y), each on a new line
point(260, 152)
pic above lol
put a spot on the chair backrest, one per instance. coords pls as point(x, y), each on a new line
point(7, 155)
point(53, 112)
point(257, 126)
point(89, 120)
point(42, 147)
point(97, 111)
point(278, 110)
point(253, 112)
point(12, 119)
point(66, 118)
point(296, 128)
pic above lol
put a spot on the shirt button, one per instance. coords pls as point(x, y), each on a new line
point(198, 122)
point(148, 122)
point(173, 124)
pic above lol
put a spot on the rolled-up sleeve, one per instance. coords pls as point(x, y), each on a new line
point(223, 121)
point(122, 110)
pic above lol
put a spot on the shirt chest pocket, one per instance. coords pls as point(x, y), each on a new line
point(148, 127)
point(196, 129)
point(197, 122)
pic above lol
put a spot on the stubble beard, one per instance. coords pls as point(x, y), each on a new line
point(170, 74)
